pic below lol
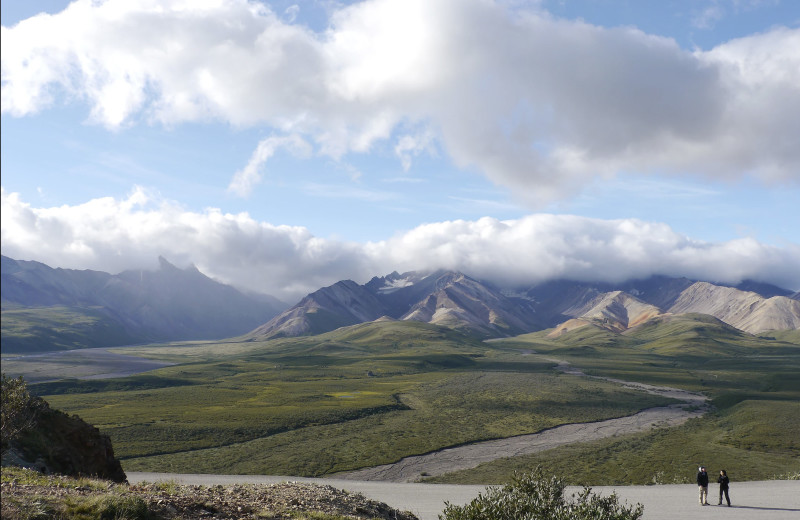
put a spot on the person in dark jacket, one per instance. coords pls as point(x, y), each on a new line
point(723, 481)
point(702, 483)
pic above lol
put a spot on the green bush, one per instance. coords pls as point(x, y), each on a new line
point(533, 496)
point(18, 412)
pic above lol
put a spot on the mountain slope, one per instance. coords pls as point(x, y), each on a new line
point(616, 311)
point(457, 301)
point(445, 298)
point(343, 303)
point(747, 311)
point(465, 303)
point(133, 306)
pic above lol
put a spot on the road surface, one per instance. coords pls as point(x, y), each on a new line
point(763, 500)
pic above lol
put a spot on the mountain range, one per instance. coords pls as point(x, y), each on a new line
point(455, 300)
point(53, 309)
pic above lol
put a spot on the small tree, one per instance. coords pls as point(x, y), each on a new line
point(18, 409)
point(533, 496)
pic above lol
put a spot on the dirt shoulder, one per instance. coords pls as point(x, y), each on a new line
point(56, 497)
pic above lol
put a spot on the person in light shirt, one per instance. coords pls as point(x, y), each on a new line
point(702, 483)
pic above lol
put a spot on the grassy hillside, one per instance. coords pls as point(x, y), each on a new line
point(44, 329)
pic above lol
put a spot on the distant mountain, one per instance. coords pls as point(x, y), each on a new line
point(461, 302)
point(51, 309)
point(344, 303)
point(445, 298)
point(616, 311)
point(457, 301)
point(747, 311)
point(763, 289)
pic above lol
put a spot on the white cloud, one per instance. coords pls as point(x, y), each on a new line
point(412, 145)
point(708, 16)
point(113, 235)
point(537, 104)
point(290, 13)
point(245, 179)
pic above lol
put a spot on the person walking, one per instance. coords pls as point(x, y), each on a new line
point(723, 481)
point(702, 483)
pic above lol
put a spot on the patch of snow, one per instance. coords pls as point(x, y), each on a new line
point(393, 285)
point(522, 295)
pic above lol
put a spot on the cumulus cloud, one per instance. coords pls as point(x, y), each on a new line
point(288, 262)
point(536, 103)
point(113, 235)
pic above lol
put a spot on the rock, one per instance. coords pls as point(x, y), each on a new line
point(65, 445)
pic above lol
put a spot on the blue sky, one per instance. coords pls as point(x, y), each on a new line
point(282, 146)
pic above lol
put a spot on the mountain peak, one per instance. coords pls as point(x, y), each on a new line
point(164, 264)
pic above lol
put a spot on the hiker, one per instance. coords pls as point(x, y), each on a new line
point(702, 482)
point(723, 486)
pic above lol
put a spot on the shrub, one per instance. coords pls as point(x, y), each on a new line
point(18, 411)
point(532, 496)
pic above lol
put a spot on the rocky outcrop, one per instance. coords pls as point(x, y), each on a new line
point(66, 445)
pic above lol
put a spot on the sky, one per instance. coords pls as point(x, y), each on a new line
point(283, 146)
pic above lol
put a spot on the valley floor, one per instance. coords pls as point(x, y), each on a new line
point(88, 363)
point(438, 463)
point(411, 469)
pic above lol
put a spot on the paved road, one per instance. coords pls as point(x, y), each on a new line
point(771, 500)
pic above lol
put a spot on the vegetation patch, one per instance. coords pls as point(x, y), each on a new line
point(533, 495)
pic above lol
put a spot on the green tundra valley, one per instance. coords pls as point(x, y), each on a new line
point(373, 393)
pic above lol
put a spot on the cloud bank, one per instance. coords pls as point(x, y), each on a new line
point(537, 104)
point(288, 262)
